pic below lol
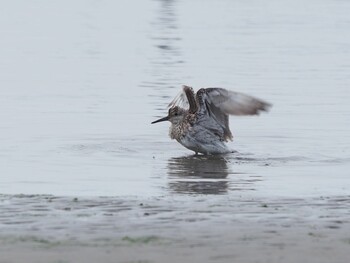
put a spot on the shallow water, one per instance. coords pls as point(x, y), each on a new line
point(82, 81)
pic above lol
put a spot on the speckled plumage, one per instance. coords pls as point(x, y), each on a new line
point(204, 126)
point(177, 131)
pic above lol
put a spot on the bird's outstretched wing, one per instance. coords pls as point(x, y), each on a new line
point(185, 99)
point(235, 103)
point(180, 100)
point(220, 103)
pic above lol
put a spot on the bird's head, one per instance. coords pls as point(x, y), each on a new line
point(175, 115)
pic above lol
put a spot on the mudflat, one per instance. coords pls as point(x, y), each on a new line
point(222, 229)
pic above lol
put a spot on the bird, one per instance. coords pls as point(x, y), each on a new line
point(200, 121)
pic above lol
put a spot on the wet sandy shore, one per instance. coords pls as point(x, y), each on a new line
point(221, 229)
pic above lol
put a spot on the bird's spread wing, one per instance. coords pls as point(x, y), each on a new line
point(221, 102)
point(180, 100)
point(185, 99)
point(235, 103)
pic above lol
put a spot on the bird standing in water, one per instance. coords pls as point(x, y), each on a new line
point(200, 121)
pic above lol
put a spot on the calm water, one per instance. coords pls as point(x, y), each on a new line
point(81, 81)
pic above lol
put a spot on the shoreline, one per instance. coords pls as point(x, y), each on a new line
point(34, 229)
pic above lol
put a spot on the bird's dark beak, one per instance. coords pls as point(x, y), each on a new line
point(162, 119)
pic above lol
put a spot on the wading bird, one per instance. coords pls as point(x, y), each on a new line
point(200, 121)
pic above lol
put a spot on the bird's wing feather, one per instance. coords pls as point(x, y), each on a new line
point(235, 103)
point(180, 100)
point(185, 99)
point(221, 102)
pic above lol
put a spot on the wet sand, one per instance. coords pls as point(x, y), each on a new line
point(221, 229)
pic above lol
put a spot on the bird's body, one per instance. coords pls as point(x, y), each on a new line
point(204, 126)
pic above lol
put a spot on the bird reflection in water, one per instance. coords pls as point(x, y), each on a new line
point(198, 174)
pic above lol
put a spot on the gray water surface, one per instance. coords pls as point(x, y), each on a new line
point(81, 82)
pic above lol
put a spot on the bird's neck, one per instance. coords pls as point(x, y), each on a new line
point(178, 130)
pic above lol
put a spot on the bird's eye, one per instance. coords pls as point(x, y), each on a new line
point(175, 114)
